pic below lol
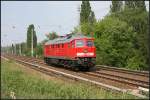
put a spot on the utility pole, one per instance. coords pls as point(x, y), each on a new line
point(15, 49)
point(20, 49)
point(12, 49)
point(79, 9)
point(32, 42)
point(7, 49)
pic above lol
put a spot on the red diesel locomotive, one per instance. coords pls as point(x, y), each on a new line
point(77, 51)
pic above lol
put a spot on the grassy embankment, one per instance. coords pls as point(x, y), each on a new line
point(27, 83)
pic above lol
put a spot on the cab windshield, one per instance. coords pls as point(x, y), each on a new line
point(89, 43)
point(79, 43)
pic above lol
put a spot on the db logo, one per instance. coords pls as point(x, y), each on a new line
point(85, 51)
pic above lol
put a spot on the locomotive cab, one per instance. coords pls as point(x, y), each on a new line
point(85, 52)
point(85, 47)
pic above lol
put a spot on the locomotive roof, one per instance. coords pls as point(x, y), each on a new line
point(66, 39)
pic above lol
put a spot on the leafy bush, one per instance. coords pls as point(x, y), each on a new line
point(115, 44)
point(39, 50)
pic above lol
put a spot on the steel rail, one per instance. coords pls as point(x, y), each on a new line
point(121, 79)
point(122, 70)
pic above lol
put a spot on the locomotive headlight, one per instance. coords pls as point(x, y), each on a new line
point(80, 54)
point(85, 54)
point(90, 54)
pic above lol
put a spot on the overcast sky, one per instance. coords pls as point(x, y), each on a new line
point(47, 16)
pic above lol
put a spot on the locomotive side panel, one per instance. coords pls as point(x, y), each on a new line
point(72, 49)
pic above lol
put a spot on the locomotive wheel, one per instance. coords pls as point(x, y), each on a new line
point(76, 68)
point(44, 60)
point(92, 68)
point(84, 68)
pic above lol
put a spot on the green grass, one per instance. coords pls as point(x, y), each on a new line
point(29, 84)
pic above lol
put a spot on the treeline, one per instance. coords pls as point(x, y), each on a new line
point(121, 38)
point(25, 48)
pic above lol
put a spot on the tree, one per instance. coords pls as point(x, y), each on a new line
point(24, 48)
point(52, 35)
point(115, 44)
point(136, 16)
point(12, 47)
point(76, 30)
point(92, 18)
point(17, 48)
point(92, 21)
point(140, 5)
point(87, 18)
point(34, 40)
point(148, 41)
point(39, 50)
point(31, 31)
point(116, 6)
point(129, 4)
point(85, 12)
point(135, 5)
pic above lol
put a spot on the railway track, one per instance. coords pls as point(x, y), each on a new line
point(122, 70)
point(119, 79)
point(132, 80)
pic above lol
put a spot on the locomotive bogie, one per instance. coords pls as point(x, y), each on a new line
point(80, 63)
